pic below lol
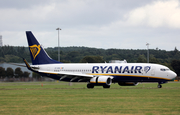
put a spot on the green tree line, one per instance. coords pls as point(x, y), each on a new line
point(15, 54)
point(17, 73)
point(10, 73)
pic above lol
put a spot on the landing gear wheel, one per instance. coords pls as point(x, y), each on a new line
point(106, 86)
point(90, 86)
point(159, 86)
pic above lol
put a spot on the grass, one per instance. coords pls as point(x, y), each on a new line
point(59, 98)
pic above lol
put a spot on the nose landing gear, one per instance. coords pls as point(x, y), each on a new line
point(159, 86)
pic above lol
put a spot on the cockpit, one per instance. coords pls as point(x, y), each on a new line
point(164, 69)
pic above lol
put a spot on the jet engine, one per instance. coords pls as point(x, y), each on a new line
point(104, 81)
point(128, 83)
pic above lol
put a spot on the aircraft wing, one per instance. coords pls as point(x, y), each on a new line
point(62, 75)
point(18, 64)
point(72, 76)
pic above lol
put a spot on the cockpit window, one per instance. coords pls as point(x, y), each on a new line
point(164, 69)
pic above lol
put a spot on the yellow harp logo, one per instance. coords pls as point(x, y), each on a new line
point(35, 50)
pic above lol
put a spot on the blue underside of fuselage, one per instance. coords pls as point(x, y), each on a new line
point(137, 79)
point(116, 78)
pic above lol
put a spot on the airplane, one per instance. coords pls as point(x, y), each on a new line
point(95, 74)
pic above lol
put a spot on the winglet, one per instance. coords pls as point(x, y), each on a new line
point(27, 65)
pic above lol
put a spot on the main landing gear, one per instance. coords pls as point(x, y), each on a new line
point(106, 86)
point(91, 86)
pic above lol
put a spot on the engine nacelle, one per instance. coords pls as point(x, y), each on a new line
point(128, 83)
point(101, 80)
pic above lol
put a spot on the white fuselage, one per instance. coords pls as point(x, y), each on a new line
point(136, 71)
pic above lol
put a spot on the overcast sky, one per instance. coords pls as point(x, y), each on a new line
point(120, 24)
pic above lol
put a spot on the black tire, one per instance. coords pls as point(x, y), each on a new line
point(106, 86)
point(90, 86)
point(159, 86)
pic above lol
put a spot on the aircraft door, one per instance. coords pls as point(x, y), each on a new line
point(153, 71)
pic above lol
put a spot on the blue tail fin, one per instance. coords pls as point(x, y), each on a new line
point(38, 54)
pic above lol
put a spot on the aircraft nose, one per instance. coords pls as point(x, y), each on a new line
point(173, 75)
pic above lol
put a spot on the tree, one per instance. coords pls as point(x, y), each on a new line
point(1, 52)
point(13, 58)
point(176, 66)
point(18, 72)
point(26, 74)
point(2, 72)
point(175, 50)
point(9, 72)
point(92, 59)
point(153, 59)
point(65, 61)
point(73, 56)
point(2, 59)
point(141, 59)
point(36, 75)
